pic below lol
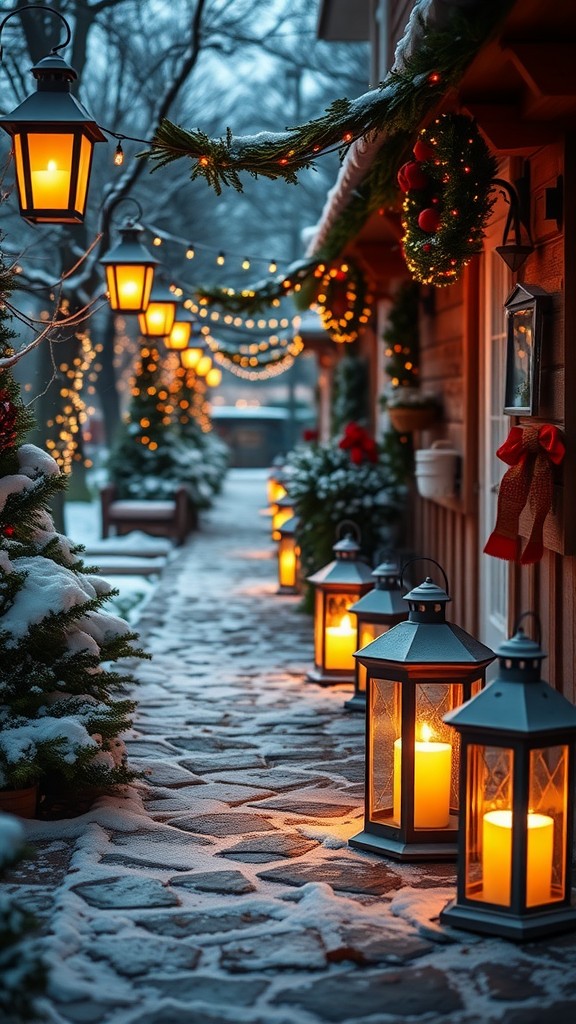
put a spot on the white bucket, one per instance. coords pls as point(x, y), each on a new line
point(436, 468)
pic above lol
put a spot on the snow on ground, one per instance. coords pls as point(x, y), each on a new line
point(221, 889)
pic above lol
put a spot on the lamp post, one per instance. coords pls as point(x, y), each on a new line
point(518, 740)
point(336, 587)
point(157, 319)
point(416, 672)
point(288, 557)
point(53, 138)
point(376, 612)
point(129, 266)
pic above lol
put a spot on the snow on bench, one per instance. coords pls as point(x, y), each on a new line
point(173, 519)
point(123, 565)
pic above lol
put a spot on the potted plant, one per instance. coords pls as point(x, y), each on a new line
point(409, 409)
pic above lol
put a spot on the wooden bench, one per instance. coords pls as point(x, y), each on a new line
point(174, 519)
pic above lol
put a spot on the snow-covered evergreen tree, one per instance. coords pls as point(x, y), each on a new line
point(62, 696)
point(162, 444)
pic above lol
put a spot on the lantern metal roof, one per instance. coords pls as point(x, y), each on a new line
point(289, 527)
point(52, 103)
point(518, 701)
point(347, 568)
point(129, 250)
point(386, 596)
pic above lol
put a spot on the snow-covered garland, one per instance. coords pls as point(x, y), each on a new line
point(397, 105)
point(447, 199)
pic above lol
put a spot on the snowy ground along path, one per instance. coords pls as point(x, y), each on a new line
point(222, 890)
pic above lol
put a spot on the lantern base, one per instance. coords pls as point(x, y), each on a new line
point(521, 929)
point(356, 703)
point(316, 675)
point(403, 851)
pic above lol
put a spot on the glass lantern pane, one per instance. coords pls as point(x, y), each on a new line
point(50, 163)
point(489, 824)
point(438, 744)
point(367, 632)
point(318, 626)
point(83, 173)
point(384, 723)
point(125, 284)
point(340, 632)
point(547, 815)
point(287, 562)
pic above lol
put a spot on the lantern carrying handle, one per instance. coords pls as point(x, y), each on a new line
point(536, 618)
point(36, 7)
point(424, 558)
point(124, 199)
point(346, 523)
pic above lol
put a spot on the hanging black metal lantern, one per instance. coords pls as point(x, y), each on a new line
point(182, 329)
point(129, 270)
point(376, 612)
point(337, 586)
point(518, 740)
point(158, 318)
point(416, 672)
point(53, 139)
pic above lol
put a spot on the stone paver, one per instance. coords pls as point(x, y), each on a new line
point(221, 888)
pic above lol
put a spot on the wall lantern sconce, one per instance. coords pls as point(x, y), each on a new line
point(53, 139)
point(157, 319)
point(190, 357)
point(525, 319)
point(516, 252)
point(337, 586)
point(376, 612)
point(282, 510)
point(129, 266)
point(416, 672)
point(213, 377)
point(184, 323)
point(288, 557)
point(518, 741)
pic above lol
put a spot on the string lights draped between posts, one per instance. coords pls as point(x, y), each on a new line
point(415, 673)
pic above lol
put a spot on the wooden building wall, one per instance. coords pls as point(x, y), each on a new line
point(450, 366)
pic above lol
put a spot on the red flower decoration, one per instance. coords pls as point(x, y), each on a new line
point(309, 435)
point(362, 446)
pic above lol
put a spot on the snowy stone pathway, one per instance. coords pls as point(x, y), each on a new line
point(222, 890)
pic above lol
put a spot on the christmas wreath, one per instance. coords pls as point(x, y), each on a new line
point(447, 199)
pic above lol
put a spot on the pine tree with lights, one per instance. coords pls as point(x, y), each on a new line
point(63, 700)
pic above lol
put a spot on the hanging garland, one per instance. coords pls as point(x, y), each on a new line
point(397, 105)
point(447, 199)
point(255, 298)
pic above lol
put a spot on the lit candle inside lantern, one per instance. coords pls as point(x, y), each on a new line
point(432, 769)
point(497, 858)
point(287, 566)
point(50, 187)
point(340, 645)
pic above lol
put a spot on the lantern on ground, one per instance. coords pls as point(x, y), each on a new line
point(288, 557)
point(53, 138)
point(275, 484)
point(376, 612)
point(184, 323)
point(518, 741)
point(190, 357)
point(282, 510)
point(158, 318)
point(129, 268)
point(337, 586)
point(416, 672)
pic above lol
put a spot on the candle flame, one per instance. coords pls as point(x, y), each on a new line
point(346, 624)
point(426, 733)
point(52, 166)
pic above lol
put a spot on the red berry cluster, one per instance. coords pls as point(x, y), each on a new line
point(361, 445)
point(412, 177)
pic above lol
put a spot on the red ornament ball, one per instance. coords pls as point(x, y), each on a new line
point(415, 175)
point(8, 531)
point(429, 220)
point(423, 150)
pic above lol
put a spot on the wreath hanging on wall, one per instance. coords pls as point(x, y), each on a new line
point(447, 199)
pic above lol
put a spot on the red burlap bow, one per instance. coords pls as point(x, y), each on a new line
point(530, 452)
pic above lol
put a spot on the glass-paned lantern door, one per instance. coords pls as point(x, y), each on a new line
point(384, 727)
point(436, 758)
point(488, 827)
point(339, 632)
point(547, 825)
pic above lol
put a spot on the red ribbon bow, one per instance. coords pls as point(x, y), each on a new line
point(530, 452)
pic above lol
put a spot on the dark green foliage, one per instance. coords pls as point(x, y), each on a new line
point(350, 395)
point(402, 338)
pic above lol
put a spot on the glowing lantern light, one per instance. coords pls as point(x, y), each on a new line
point(129, 268)
point(158, 318)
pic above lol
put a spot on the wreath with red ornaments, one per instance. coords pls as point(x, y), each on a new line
point(447, 199)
